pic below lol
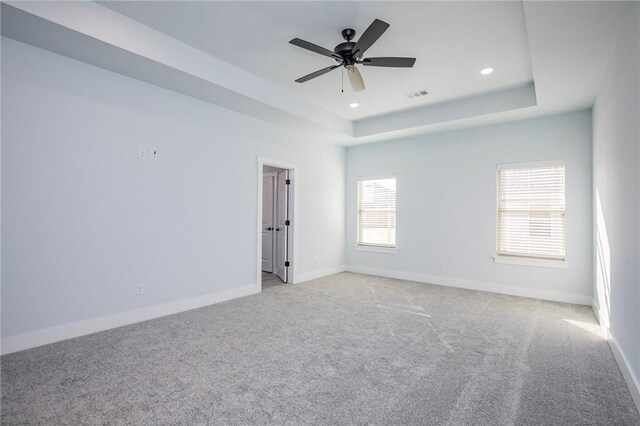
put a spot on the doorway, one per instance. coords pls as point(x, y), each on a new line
point(276, 208)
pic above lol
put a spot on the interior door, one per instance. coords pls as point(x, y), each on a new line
point(268, 204)
point(282, 230)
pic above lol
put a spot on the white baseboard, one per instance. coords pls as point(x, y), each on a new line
point(621, 359)
point(80, 328)
point(577, 299)
point(314, 275)
point(601, 320)
point(625, 368)
point(596, 310)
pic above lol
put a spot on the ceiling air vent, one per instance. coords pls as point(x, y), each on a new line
point(417, 94)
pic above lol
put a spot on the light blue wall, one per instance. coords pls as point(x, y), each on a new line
point(84, 220)
point(446, 201)
point(616, 185)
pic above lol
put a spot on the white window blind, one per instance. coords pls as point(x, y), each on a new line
point(531, 211)
point(377, 212)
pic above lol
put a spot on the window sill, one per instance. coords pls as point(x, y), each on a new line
point(531, 261)
point(376, 249)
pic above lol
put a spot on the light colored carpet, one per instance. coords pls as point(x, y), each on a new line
point(340, 350)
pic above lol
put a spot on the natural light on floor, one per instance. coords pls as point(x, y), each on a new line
point(592, 328)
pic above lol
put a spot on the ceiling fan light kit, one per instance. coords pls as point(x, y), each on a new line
point(355, 78)
point(349, 54)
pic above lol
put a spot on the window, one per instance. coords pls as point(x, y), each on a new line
point(377, 212)
point(531, 218)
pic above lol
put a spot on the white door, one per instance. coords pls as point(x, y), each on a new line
point(282, 229)
point(268, 204)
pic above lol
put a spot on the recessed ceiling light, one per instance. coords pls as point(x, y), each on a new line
point(486, 71)
point(354, 105)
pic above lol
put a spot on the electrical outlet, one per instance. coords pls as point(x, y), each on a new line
point(441, 264)
point(142, 154)
point(139, 289)
point(154, 156)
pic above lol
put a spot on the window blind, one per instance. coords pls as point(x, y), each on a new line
point(531, 211)
point(377, 212)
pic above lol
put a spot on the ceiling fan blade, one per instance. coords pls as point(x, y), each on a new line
point(355, 78)
point(316, 74)
point(314, 48)
point(389, 62)
point(369, 36)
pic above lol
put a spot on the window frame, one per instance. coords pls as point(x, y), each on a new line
point(377, 248)
point(529, 260)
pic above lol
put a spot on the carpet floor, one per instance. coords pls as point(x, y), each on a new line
point(345, 349)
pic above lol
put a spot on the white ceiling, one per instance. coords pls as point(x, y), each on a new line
point(452, 41)
point(550, 57)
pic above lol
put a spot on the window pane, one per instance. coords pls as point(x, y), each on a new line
point(377, 212)
point(531, 219)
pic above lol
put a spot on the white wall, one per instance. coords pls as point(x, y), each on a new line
point(446, 206)
point(616, 185)
point(84, 220)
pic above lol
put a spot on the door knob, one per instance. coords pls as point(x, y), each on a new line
point(277, 229)
point(269, 229)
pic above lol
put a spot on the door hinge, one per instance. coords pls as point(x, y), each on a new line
point(286, 264)
point(287, 222)
point(288, 181)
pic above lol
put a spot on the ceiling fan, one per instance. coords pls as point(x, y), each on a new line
point(350, 53)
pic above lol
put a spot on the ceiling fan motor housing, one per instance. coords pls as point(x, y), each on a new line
point(344, 50)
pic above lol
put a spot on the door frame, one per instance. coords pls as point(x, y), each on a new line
point(292, 246)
